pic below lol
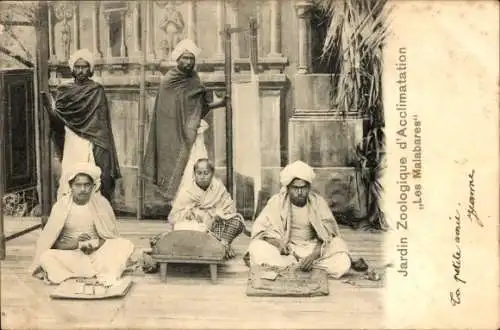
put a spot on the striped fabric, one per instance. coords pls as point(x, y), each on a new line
point(227, 230)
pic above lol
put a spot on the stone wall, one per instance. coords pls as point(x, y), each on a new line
point(296, 118)
point(326, 138)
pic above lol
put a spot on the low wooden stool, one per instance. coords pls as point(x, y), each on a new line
point(190, 247)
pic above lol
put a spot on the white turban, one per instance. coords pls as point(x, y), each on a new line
point(186, 45)
point(83, 54)
point(79, 168)
point(296, 170)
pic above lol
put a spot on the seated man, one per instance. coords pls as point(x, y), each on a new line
point(297, 227)
point(205, 205)
point(80, 238)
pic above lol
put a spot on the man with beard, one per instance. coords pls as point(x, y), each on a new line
point(180, 105)
point(81, 125)
point(80, 238)
point(297, 227)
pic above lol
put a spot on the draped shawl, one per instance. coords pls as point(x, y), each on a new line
point(214, 201)
point(104, 222)
point(275, 219)
point(180, 105)
point(84, 109)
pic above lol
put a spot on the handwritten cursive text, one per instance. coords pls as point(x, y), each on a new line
point(471, 210)
point(456, 261)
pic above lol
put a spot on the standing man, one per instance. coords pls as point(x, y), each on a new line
point(82, 126)
point(180, 105)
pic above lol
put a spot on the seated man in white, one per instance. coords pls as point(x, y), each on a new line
point(205, 205)
point(80, 238)
point(297, 227)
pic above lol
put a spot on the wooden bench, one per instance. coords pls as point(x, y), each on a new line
point(191, 247)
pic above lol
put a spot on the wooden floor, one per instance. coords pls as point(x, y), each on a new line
point(189, 300)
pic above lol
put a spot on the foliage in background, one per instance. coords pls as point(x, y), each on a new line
point(19, 204)
point(13, 48)
point(353, 44)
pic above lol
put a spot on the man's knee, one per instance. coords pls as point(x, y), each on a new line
point(258, 247)
point(262, 252)
point(120, 244)
point(48, 256)
point(339, 264)
point(337, 244)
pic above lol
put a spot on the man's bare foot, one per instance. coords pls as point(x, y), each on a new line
point(247, 232)
point(359, 265)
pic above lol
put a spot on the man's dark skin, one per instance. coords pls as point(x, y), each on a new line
point(298, 190)
point(81, 71)
point(186, 63)
point(203, 174)
point(81, 106)
point(81, 190)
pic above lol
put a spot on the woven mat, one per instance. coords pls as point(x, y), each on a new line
point(77, 288)
point(287, 283)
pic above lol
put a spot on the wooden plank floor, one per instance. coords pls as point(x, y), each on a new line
point(189, 300)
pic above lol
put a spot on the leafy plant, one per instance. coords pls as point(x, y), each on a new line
point(15, 11)
point(353, 44)
point(370, 166)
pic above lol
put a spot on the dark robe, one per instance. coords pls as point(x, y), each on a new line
point(181, 103)
point(84, 109)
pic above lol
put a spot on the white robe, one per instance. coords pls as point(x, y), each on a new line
point(107, 263)
point(199, 150)
point(76, 150)
point(277, 220)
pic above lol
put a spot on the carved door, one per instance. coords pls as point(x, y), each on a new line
point(19, 147)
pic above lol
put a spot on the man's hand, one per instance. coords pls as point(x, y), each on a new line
point(219, 104)
point(84, 237)
point(46, 102)
point(280, 245)
point(226, 99)
point(198, 215)
point(86, 247)
point(219, 214)
point(284, 248)
point(307, 263)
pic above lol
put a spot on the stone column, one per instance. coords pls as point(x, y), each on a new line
point(275, 26)
point(303, 15)
point(233, 20)
point(95, 31)
point(51, 33)
point(63, 12)
point(221, 22)
point(258, 17)
point(76, 26)
point(107, 18)
point(136, 48)
point(52, 46)
point(123, 44)
point(191, 20)
point(150, 34)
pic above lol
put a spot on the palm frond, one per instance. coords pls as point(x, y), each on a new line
point(356, 35)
